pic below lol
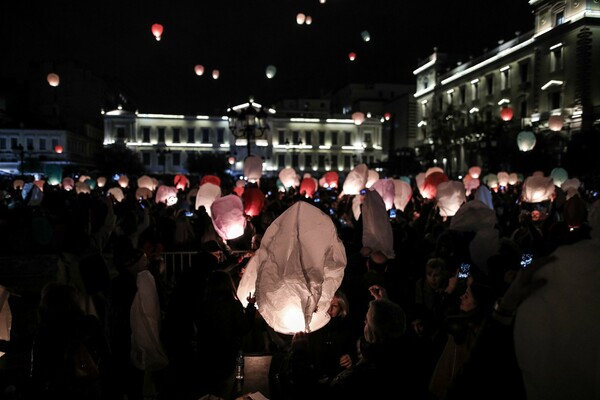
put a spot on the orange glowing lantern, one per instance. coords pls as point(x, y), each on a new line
point(506, 113)
point(308, 20)
point(556, 123)
point(199, 69)
point(40, 184)
point(216, 73)
point(358, 118)
point(146, 182)
point(101, 181)
point(475, 172)
point(68, 183)
point(308, 187)
point(157, 31)
point(58, 149)
point(352, 56)
point(117, 194)
point(253, 200)
point(18, 184)
point(228, 217)
point(331, 179)
point(82, 187)
point(215, 180)
point(53, 79)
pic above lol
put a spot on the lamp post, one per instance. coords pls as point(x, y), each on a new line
point(248, 122)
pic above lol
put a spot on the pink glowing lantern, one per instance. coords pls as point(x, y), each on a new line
point(450, 197)
point(420, 180)
point(372, 177)
point(146, 182)
point(431, 183)
point(387, 116)
point(300, 18)
point(157, 31)
point(40, 184)
point(356, 180)
point(68, 183)
point(228, 217)
point(475, 172)
point(53, 79)
point(288, 177)
point(18, 184)
point(358, 118)
point(143, 193)
point(254, 201)
point(296, 270)
point(330, 179)
point(240, 186)
point(537, 189)
point(166, 194)
point(123, 181)
point(387, 191)
point(199, 69)
point(471, 185)
point(432, 170)
point(58, 149)
point(308, 187)
point(101, 181)
point(402, 194)
point(506, 113)
point(181, 182)
point(117, 194)
point(377, 231)
point(253, 168)
point(207, 193)
point(352, 56)
point(556, 123)
point(215, 74)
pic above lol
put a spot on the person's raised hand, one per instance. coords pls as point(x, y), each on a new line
point(524, 285)
point(378, 292)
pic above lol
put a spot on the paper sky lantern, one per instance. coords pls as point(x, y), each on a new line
point(287, 176)
point(58, 149)
point(215, 180)
point(296, 270)
point(571, 184)
point(331, 179)
point(502, 178)
point(117, 194)
point(199, 69)
point(402, 194)
point(365, 35)
point(513, 178)
point(472, 185)
point(270, 71)
point(146, 182)
point(559, 175)
point(526, 140)
point(300, 18)
point(431, 183)
point(18, 184)
point(372, 177)
point(82, 187)
point(207, 193)
point(356, 180)
point(157, 31)
point(166, 194)
point(352, 56)
point(308, 187)
point(556, 122)
point(253, 168)
point(40, 184)
point(228, 218)
point(491, 180)
point(450, 197)
point(83, 178)
point(387, 116)
point(420, 180)
point(68, 183)
point(101, 181)
point(473, 216)
point(240, 186)
point(143, 193)
point(216, 73)
point(53, 79)
point(506, 113)
point(308, 20)
point(254, 200)
point(181, 182)
point(123, 181)
point(377, 231)
point(475, 172)
point(537, 189)
point(387, 191)
point(432, 170)
point(358, 118)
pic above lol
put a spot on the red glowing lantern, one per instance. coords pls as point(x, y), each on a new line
point(157, 31)
point(431, 183)
point(199, 69)
point(308, 187)
point(53, 79)
point(215, 180)
point(58, 149)
point(331, 179)
point(352, 56)
point(254, 201)
point(556, 122)
point(387, 116)
point(181, 182)
point(506, 114)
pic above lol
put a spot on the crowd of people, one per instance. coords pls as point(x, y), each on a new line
point(434, 322)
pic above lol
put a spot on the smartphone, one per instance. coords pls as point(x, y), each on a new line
point(526, 259)
point(316, 200)
point(363, 191)
point(464, 271)
point(392, 213)
point(331, 211)
point(189, 214)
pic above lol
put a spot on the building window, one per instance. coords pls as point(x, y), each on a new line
point(524, 72)
point(220, 135)
point(54, 142)
point(450, 94)
point(321, 161)
point(321, 138)
point(462, 94)
point(347, 138)
point(308, 137)
point(176, 160)
point(295, 137)
point(556, 59)
point(334, 161)
point(120, 132)
point(475, 90)
point(347, 162)
point(161, 135)
point(307, 161)
point(29, 143)
point(523, 109)
point(281, 160)
point(190, 136)
point(2, 143)
point(205, 135)
point(176, 135)
point(559, 18)
point(554, 100)
point(42, 144)
point(367, 138)
point(334, 138)
point(489, 84)
point(146, 135)
point(146, 158)
point(294, 160)
point(281, 136)
point(505, 79)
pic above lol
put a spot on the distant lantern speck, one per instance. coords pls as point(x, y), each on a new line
point(352, 56)
point(58, 149)
point(300, 18)
point(216, 73)
point(53, 79)
point(270, 71)
point(358, 118)
point(157, 31)
point(199, 69)
point(366, 36)
point(387, 116)
point(308, 20)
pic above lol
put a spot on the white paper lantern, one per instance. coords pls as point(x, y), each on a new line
point(199, 69)
point(372, 177)
point(123, 181)
point(117, 194)
point(377, 230)
point(101, 181)
point(300, 18)
point(228, 218)
point(308, 20)
point(253, 168)
point(270, 71)
point(215, 74)
point(450, 197)
point(387, 191)
point(296, 270)
point(491, 180)
point(143, 193)
point(420, 179)
point(365, 35)
point(559, 176)
point(502, 178)
point(526, 140)
point(513, 178)
point(206, 195)
point(166, 194)
point(82, 187)
point(356, 180)
point(402, 194)
point(356, 203)
point(537, 189)
point(556, 122)
point(146, 182)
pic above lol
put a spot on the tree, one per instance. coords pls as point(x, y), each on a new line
point(207, 164)
point(117, 158)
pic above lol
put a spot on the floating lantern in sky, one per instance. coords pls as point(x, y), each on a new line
point(253, 168)
point(556, 122)
point(199, 69)
point(537, 189)
point(157, 31)
point(322, 1)
point(330, 179)
point(352, 56)
point(216, 73)
point(228, 218)
point(270, 71)
point(68, 183)
point(387, 116)
point(58, 149)
point(526, 140)
point(559, 176)
point(296, 270)
point(358, 118)
point(308, 20)
point(53, 79)
point(365, 35)
point(101, 181)
point(475, 171)
point(300, 18)
point(123, 181)
point(506, 113)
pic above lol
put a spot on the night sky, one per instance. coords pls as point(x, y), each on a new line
point(240, 38)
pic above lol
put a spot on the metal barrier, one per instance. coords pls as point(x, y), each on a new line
point(175, 263)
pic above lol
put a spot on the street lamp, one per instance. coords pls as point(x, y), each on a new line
point(248, 122)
